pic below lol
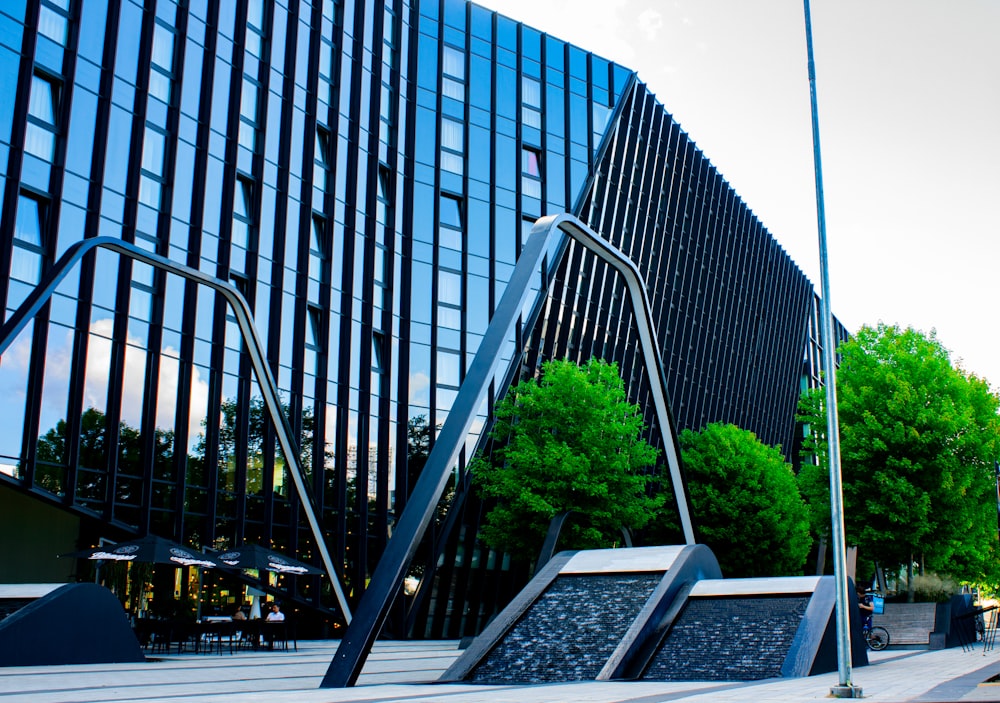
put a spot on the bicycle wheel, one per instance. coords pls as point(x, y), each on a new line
point(877, 638)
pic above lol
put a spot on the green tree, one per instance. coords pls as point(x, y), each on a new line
point(745, 502)
point(919, 439)
point(570, 441)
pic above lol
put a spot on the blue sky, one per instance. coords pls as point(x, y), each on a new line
point(909, 98)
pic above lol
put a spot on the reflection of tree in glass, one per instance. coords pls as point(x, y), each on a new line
point(52, 456)
point(419, 439)
point(258, 422)
point(418, 448)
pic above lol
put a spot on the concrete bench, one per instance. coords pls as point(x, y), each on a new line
point(908, 623)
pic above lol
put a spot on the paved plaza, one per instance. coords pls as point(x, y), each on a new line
point(404, 672)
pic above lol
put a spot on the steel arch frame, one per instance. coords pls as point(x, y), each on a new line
point(244, 319)
point(374, 606)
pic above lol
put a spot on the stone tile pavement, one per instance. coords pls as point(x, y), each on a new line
point(403, 672)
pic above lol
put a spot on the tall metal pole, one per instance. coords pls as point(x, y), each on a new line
point(846, 689)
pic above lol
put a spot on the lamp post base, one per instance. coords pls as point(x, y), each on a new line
point(848, 691)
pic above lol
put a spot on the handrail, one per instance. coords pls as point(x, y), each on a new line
point(373, 609)
point(244, 319)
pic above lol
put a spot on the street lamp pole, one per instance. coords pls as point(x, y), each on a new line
point(846, 688)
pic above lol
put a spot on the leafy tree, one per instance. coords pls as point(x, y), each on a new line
point(745, 502)
point(919, 438)
point(570, 441)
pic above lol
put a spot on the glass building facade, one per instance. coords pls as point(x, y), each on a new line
point(364, 173)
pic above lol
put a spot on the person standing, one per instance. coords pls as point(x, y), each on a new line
point(865, 605)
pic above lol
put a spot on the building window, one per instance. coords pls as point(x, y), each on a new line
point(531, 172)
point(453, 73)
point(384, 230)
point(321, 158)
point(248, 113)
point(378, 351)
point(449, 296)
point(242, 212)
point(449, 288)
point(152, 151)
point(452, 145)
point(255, 27)
point(53, 20)
point(531, 102)
point(161, 69)
point(450, 220)
point(40, 135)
point(314, 338)
point(29, 250)
point(383, 211)
point(327, 50)
point(151, 177)
point(448, 368)
point(319, 248)
point(331, 11)
point(379, 365)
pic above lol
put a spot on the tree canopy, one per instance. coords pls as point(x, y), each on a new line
point(919, 439)
point(568, 442)
point(745, 502)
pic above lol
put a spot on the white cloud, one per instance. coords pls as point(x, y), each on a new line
point(650, 23)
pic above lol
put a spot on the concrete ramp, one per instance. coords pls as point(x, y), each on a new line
point(78, 623)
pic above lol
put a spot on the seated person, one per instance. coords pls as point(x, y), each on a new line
point(274, 618)
point(275, 615)
point(238, 614)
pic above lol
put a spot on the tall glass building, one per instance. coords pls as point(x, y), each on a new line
point(364, 172)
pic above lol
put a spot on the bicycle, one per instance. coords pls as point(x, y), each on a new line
point(876, 636)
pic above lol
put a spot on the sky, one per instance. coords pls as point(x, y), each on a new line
point(909, 116)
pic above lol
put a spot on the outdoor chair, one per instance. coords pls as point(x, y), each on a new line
point(277, 634)
point(216, 634)
point(186, 635)
point(250, 634)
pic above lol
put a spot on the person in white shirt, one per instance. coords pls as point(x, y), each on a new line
point(272, 631)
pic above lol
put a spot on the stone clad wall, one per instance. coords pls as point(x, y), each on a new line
point(570, 632)
point(729, 639)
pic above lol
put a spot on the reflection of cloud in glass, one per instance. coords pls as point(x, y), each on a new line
point(420, 384)
point(95, 391)
point(14, 362)
point(13, 380)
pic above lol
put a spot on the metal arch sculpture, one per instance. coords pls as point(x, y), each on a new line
point(43, 291)
point(373, 609)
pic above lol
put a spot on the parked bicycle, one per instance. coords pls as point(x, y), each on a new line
point(876, 636)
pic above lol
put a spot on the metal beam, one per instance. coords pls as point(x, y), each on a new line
point(43, 291)
point(373, 609)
